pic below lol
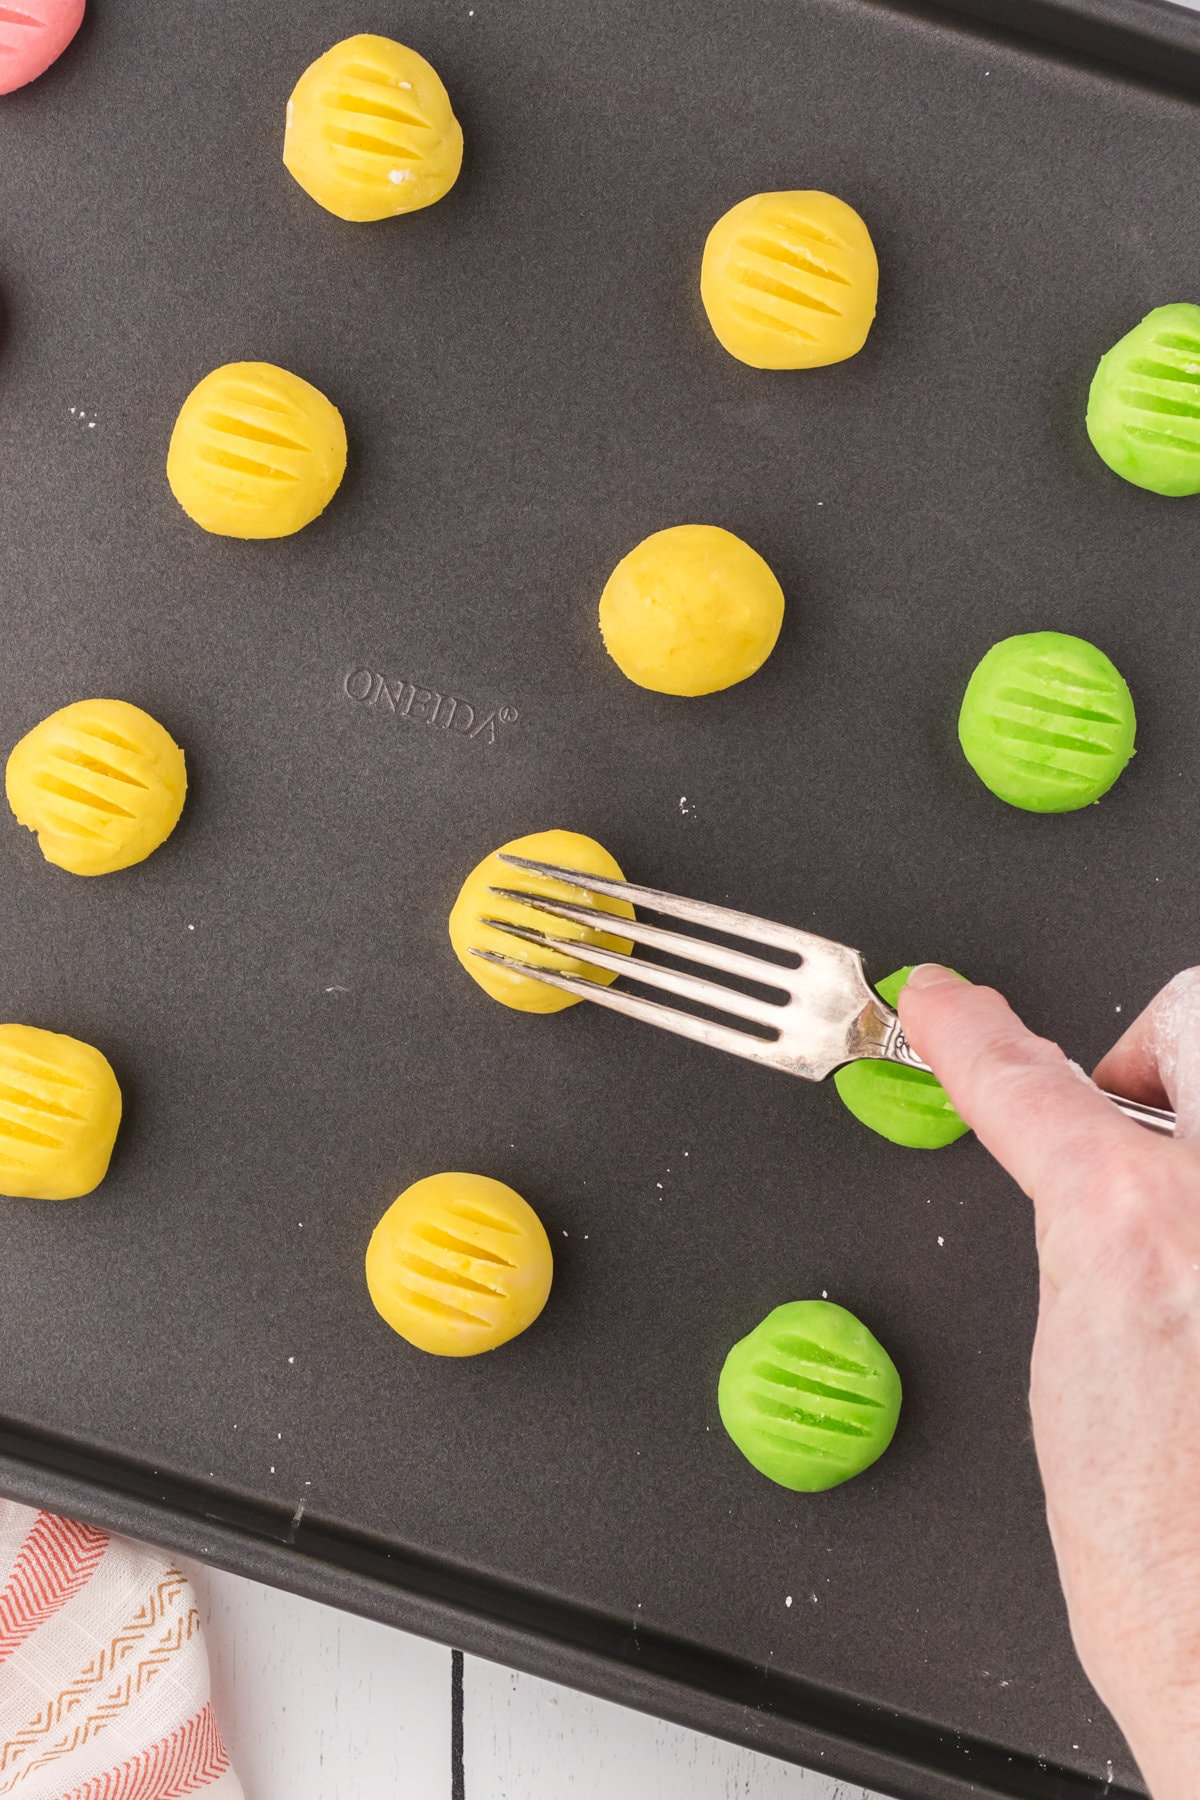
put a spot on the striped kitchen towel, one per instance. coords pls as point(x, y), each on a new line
point(104, 1689)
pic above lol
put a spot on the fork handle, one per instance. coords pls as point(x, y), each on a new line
point(1154, 1118)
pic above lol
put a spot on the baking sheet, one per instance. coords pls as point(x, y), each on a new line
point(530, 387)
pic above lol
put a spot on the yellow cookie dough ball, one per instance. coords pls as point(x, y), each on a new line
point(101, 783)
point(569, 850)
point(790, 281)
point(370, 131)
point(459, 1264)
point(691, 610)
point(60, 1107)
point(256, 452)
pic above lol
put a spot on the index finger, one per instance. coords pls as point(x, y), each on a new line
point(1038, 1113)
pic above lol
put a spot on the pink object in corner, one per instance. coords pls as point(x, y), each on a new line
point(34, 34)
point(104, 1690)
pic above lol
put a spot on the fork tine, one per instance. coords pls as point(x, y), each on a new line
point(674, 906)
point(656, 975)
point(713, 956)
point(651, 1012)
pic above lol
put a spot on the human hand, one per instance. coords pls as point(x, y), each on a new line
point(1115, 1381)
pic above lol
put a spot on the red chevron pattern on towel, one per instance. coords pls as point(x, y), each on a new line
point(104, 1681)
point(57, 1560)
point(189, 1758)
point(102, 1712)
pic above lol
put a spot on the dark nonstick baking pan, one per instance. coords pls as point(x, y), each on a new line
point(1149, 37)
point(530, 387)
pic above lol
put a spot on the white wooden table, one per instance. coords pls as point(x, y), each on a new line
point(316, 1704)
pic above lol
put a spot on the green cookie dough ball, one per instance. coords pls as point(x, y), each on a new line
point(905, 1105)
point(1047, 722)
point(1143, 411)
point(810, 1397)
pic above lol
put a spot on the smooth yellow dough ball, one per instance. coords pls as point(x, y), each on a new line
point(459, 1264)
point(101, 783)
point(569, 850)
point(691, 610)
point(256, 452)
point(790, 281)
point(60, 1107)
point(370, 131)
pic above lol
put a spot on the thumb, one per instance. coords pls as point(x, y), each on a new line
point(1038, 1114)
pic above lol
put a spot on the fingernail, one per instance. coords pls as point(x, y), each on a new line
point(931, 975)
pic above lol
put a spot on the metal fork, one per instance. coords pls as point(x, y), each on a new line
point(825, 1013)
